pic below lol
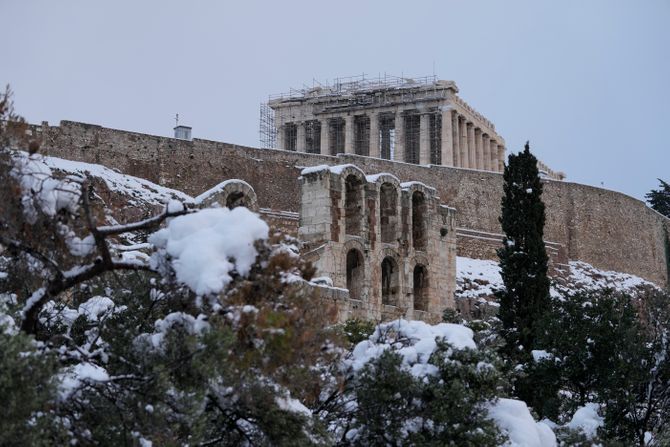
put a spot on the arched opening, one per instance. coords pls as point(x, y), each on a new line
point(418, 220)
point(353, 205)
point(388, 204)
point(420, 287)
point(390, 281)
point(235, 199)
point(355, 274)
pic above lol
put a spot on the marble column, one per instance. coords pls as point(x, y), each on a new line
point(375, 149)
point(479, 149)
point(424, 139)
point(399, 154)
point(325, 137)
point(456, 139)
point(472, 153)
point(501, 158)
point(447, 139)
point(281, 135)
point(349, 134)
point(300, 143)
point(486, 144)
point(494, 155)
point(465, 159)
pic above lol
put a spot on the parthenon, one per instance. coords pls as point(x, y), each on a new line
point(420, 121)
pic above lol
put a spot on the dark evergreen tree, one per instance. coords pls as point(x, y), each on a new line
point(659, 199)
point(523, 257)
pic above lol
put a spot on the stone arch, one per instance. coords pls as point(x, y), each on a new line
point(353, 187)
point(419, 218)
point(389, 216)
point(390, 281)
point(418, 199)
point(355, 273)
point(420, 287)
point(231, 194)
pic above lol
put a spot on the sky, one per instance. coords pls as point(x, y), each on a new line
point(587, 82)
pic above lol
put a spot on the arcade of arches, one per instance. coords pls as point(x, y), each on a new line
point(391, 245)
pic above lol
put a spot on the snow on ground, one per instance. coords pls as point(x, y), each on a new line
point(480, 278)
point(206, 246)
point(134, 187)
point(477, 277)
point(583, 275)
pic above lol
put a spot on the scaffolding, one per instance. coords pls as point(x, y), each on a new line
point(412, 133)
point(436, 138)
point(387, 135)
point(356, 84)
point(336, 130)
point(267, 129)
point(360, 90)
point(291, 136)
point(362, 135)
point(313, 137)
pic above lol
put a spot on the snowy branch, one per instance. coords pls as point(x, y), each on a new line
point(145, 224)
point(61, 281)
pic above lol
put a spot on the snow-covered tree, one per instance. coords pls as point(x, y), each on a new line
point(523, 257)
point(191, 326)
point(607, 351)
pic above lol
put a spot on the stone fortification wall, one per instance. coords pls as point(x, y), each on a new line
point(610, 230)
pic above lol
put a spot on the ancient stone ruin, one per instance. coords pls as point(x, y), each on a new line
point(385, 182)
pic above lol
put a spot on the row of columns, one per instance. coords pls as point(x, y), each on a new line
point(468, 146)
point(462, 144)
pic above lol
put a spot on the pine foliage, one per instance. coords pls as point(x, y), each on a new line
point(659, 199)
point(523, 257)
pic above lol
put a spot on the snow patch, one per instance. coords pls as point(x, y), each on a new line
point(192, 325)
point(415, 342)
point(587, 419)
point(80, 374)
point(514, 419)
point(292, 405)
point(539, 355)
point(206, 246)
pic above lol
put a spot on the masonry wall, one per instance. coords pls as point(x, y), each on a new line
point(607, 229)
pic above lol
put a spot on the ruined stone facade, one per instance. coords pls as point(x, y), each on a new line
point(391, 244)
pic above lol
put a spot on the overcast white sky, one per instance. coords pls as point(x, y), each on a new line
point(587, 82)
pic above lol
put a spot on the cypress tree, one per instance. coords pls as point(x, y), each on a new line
point(523, 257)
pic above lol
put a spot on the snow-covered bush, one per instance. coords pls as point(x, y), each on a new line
point(412, 383)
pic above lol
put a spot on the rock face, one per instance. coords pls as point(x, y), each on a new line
point(609, 230)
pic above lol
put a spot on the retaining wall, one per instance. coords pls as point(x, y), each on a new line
point(610, 230)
